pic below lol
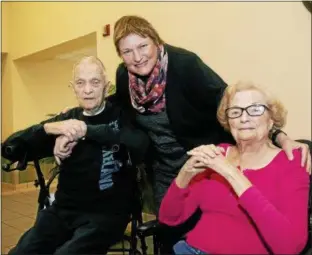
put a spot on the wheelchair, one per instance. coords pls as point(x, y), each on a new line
point(152, 228)
point(45, 199)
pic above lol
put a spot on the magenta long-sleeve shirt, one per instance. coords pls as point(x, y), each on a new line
point(270, 215)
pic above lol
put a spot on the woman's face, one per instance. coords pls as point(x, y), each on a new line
point(243, 126)
point(138, 53)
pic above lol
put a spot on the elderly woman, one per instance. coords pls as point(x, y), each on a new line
point(253, 199)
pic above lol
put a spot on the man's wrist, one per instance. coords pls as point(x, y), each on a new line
point(51, 129)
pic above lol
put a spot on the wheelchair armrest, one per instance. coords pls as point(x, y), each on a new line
point(148, 228)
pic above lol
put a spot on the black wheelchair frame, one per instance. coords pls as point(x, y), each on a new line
point(44, 195)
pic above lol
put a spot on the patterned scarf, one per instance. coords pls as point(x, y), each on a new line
point(149, 97)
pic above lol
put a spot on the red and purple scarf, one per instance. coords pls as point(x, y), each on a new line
point(149, 97)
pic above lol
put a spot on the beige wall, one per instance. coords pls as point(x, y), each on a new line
point(46, 83)
point(5, 12)
point(269, 43)
point(6, 97)
point(6, 87)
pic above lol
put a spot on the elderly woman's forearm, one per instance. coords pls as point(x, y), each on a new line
point(183, 179)
point(283, 229)
point(238, 181)
point(178, 204)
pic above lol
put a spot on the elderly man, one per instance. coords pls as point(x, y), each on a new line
point(94, 194)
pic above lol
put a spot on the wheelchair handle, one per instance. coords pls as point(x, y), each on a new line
point(21, 164)
point(9, 149)
point(7, 167)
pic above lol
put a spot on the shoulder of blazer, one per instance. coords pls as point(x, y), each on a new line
point(181, 63)
point(122, 83)
point(121, 70)
point(121, 75)
point(179, 58)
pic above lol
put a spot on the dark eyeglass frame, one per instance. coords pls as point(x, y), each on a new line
point(242, 109)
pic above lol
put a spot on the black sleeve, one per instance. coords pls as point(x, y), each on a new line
point(273, 136)
point(207, 86)
point(137, 143)
point(134, 139)
point(207, 91)
point(118, 79)
point(103, 134)
point(33, 140)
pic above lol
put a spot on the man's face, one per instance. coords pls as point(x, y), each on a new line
point(89, 86)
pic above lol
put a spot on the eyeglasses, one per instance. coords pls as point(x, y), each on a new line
point(252, 110)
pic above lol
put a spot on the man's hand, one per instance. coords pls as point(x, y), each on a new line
point(73, 129)
point(288, 145)
point(63, 148)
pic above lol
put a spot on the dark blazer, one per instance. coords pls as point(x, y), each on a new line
point(193, 92)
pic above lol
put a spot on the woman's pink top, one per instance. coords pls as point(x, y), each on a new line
point(271, 215)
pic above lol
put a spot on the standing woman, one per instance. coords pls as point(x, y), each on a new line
point(173, 96)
